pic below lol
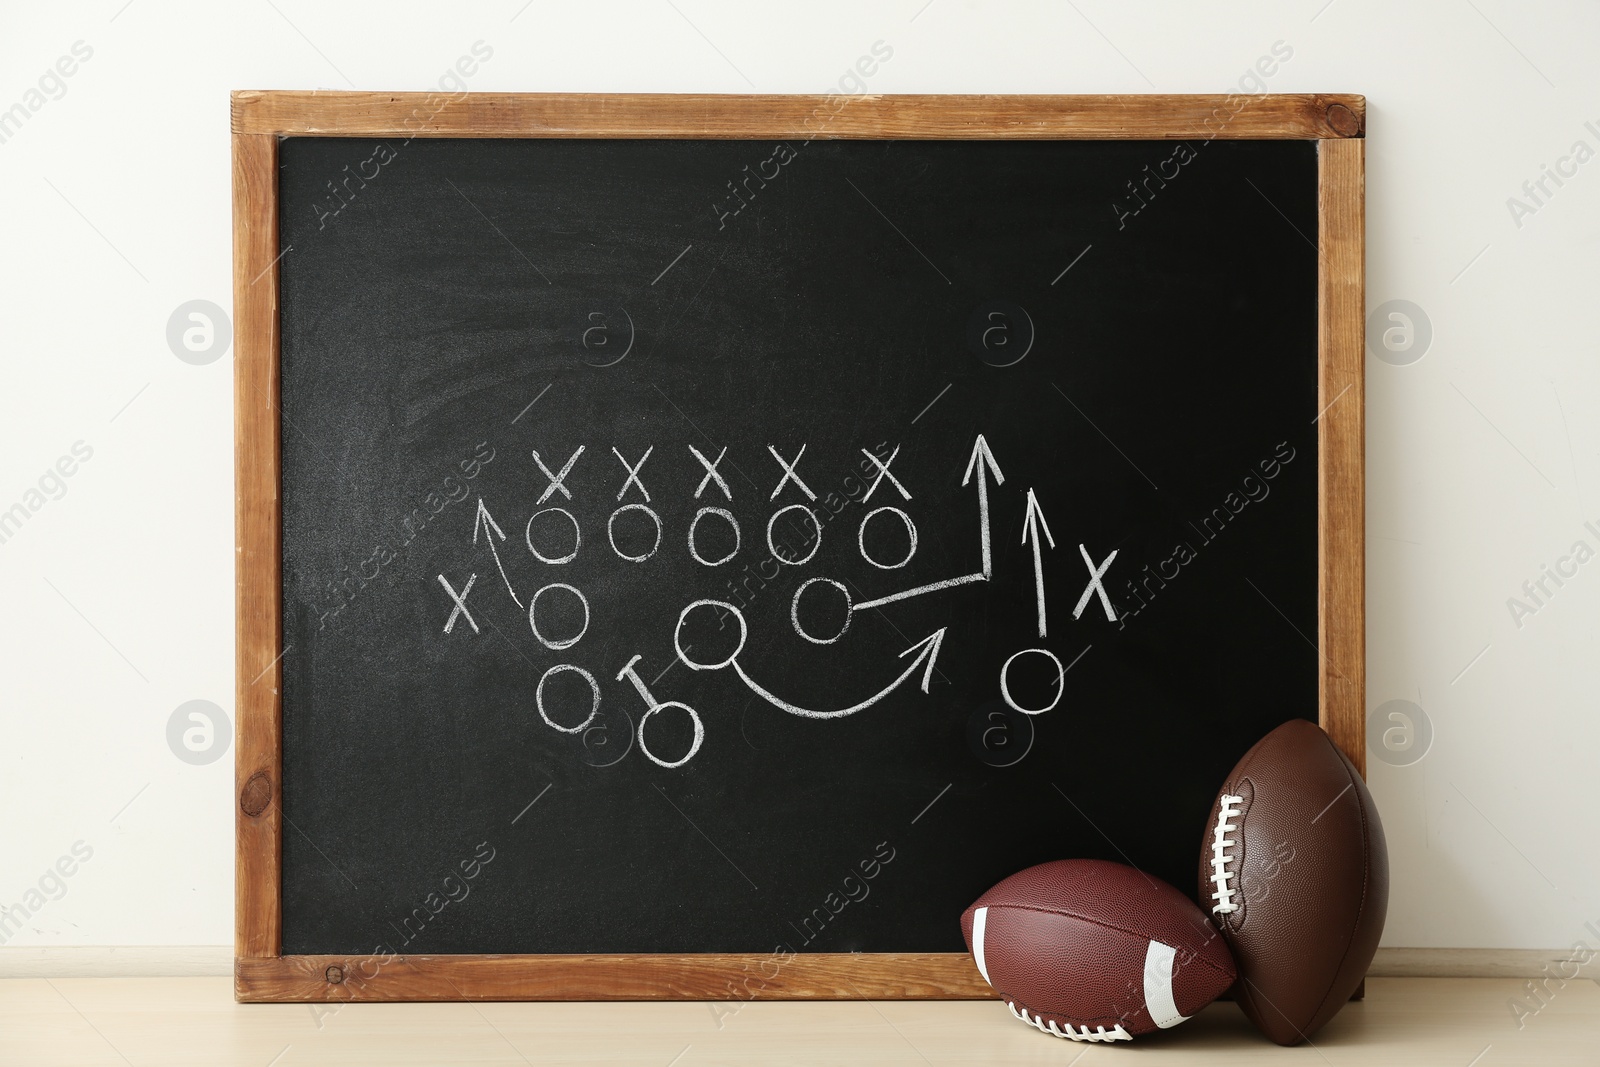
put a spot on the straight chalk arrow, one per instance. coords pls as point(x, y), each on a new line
point(1033, 526)
point(981, 458)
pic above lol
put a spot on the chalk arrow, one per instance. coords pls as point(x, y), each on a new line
point(1033, 525)
point(927, 651)
point(485, 521)
point(982, 457)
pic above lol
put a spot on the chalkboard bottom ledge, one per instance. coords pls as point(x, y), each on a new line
point(714, 977)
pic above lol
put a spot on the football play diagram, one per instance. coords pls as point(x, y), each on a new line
point(981, 467)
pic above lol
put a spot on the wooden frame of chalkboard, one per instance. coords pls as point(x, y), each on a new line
point(261, 119)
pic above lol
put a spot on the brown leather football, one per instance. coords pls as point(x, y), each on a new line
point(1295, 872)
point(1095, 951)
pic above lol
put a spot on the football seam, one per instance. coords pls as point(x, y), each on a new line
point(1111, 926)
point(1366, 884)
point(1237, 916)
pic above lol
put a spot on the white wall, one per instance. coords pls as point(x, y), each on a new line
point(1483, 457)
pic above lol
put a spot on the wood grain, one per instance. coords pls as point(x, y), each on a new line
point(761, 976)
point(1341, 438)
point(191, 961)
point(257, 554)
point(1159, 117)
point(259, 118)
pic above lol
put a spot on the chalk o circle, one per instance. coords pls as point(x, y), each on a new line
point(911, 532)
point(699, 735)
point(794, 611)
point(677, 635)
point(695, 522)
point(1061, 682)
point(577, 537)
point(533, 619)
point(611, 533)
point(814, 545)
point(594, 708)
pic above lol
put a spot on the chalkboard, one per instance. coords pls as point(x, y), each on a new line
point(760, 546)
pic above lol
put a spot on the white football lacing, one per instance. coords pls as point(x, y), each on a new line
point(1099, 1033)
point(1220, 858)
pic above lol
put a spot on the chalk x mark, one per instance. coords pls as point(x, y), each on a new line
point(884, 472)
point(789, 474)
point(460, 600)
point(556, 479)
point(1096, 579)
point(711, 473)
point(633, 472)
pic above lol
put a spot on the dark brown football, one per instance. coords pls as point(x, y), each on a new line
point(1095, 951)
point(1295, 872)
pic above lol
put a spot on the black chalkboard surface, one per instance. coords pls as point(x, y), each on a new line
point(708, 546)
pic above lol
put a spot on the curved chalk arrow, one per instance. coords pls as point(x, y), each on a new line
point(485, 522)
point(929, 651)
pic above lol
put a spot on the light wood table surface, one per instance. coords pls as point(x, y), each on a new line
point(1439, 1022)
